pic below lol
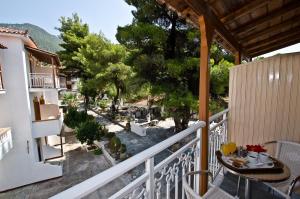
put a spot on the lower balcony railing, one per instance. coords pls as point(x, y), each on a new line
point(160, 178)
point(41, 80)
point(5, 141)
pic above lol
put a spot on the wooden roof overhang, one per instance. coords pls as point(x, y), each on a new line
point(44, 56)
point(252, 27)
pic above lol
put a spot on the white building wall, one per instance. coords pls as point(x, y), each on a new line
point(19, 167)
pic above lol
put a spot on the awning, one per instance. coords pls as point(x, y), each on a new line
point(44, 56)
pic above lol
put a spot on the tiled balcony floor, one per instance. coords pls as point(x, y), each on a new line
point(258, 189)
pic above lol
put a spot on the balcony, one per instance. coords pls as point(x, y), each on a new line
point(162, 176)
point(41, 80)
point(44, 70)
point(51, 121)
point(5, 141)
point(46, 81)
point(62, 82)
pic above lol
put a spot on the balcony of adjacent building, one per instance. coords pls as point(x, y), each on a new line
point(46, 129)
point(48, 120)
point(44, 71)
point(6, 143)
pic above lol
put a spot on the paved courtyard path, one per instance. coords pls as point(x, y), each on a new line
point(78, 165)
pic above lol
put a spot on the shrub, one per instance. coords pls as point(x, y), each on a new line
point(109, 135)
point(73, 117)
point(115, 144)
point(123, 148)
point(98, 151)
point(70, 100)
point(102, 104)
point(88, 132)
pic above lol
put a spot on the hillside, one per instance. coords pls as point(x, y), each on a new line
point(43, 39)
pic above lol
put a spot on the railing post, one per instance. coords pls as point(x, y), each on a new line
point(198, 160)
point(150, 182)
point(225, 126)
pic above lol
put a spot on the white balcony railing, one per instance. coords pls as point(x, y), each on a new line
point(217, 136)
point(62, 82)
point(41, 80)
point(6, 143)
point(162, 180)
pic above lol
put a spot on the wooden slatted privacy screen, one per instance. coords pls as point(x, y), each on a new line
point(264, 100)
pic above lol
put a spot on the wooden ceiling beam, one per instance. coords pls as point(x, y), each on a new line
point(274, 47)
point(269, 17)
point(243, 10)
point(200, 7)
point(274, 39)
point(275, 28)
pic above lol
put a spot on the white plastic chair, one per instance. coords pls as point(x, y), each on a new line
point(288, 153)
point(214, 191)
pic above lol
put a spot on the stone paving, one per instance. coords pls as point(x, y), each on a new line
point(78, 165)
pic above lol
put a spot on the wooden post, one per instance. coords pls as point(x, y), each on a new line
point(237, 58)
point(54, 72)
point(206, 37)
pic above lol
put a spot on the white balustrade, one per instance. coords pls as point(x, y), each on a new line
point(41, 80)
point(217, 136)
point(62, 82)
point(162, 180)
point(158, 181)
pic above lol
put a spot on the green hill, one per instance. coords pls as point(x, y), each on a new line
point(44, 40)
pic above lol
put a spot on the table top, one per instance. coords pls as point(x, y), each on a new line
point(268, 177)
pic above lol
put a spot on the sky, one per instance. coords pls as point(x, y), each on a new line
point(101, 15)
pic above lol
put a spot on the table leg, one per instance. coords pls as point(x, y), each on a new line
point(238, 186)
point(247, 188)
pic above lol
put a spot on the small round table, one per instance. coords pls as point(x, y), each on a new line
point(269, 177)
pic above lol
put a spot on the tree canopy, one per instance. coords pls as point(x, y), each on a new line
point(165, 53)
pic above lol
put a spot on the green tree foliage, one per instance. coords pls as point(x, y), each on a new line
point(72, 32)
point(104, 64)
point(219, 78)
point(165, 53)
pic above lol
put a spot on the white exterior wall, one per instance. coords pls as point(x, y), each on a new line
point(19, 167)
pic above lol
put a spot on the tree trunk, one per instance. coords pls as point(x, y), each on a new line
point(86, 102)
point(181, 122)
point(171, 42)
point(178, 125)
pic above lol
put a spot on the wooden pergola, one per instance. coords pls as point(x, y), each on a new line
point(247, 28)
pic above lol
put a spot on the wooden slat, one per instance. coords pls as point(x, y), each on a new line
point(296, 61)
point(264, 100)
point(201, 8)
point(269, 17)
point(274, 39)
point(272, 29)
point(243, 10)
point(262, 51)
